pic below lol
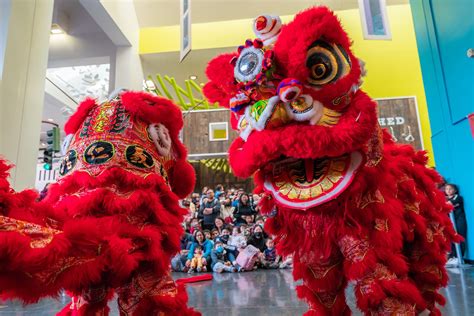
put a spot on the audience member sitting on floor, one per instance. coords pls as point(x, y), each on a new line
point(232, 251)
point(287, 262)
point(198, 263)
point(248, 220)
point(257, 239)
point(219, 224)
point(220, 259)
point(269, 258)
point(260, 221)
point(214, 233)
point(207, 234)
point(179, 260)
point(206, 246)
point(246, 231)
point(237, 239)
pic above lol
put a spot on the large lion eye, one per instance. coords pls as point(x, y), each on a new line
point(249, 64)
point(326, 63)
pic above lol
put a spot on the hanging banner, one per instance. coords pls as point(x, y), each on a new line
point(185, 13)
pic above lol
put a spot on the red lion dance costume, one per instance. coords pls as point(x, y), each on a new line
point(112, 221)
point(343, 198)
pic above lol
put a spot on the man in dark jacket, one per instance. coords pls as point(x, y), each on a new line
point(243, 208)
point(209, 210)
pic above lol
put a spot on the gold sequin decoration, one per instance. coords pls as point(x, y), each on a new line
point(368, 198)
point(353, 249)
point(40, 236)
point(329, 117)
point(381, 224)
point(392, 306)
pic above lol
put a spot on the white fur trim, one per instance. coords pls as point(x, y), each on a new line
point(287, 91)
point(66, 143)
point(246, 132)
point(265, 116)
point(306, 116)
point(270, 31)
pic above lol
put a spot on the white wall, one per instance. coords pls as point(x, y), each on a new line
point(5, 7)
point(128, 67)
point(68, 50)
point(24, 73)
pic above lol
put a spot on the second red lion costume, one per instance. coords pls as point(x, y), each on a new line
point(111, 222)
point(344, 199)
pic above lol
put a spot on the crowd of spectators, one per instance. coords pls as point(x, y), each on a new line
point(224, 232)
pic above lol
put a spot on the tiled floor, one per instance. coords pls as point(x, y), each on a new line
point(261, 293)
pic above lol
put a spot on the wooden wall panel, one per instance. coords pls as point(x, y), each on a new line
point(211, 178)
point(400, 118)
point(196, 132)
point(398, 115)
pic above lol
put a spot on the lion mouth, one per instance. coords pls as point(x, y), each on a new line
point(306, 183)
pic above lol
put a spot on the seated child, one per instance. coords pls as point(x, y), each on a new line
point(270, 259)
point(196, 261)
point(220, 259)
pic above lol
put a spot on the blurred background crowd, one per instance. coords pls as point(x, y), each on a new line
point(224, 232)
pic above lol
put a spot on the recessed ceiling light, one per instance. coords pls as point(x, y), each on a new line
point(193, 77)
point(50, 120)
point(56, 29)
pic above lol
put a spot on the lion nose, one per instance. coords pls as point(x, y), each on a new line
point(289, 89)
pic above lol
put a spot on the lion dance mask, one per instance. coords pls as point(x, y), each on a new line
point(346, 201)
point(112, 221)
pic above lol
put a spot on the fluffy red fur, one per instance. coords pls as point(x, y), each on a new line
point(221, 79)
point(405, 261)
point(147, 107)
point(305, 141)
point(310, 25)
point(98, 232)
point(388, 231)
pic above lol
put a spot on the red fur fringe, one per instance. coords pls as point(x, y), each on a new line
point(220, 73)
point(109, 230)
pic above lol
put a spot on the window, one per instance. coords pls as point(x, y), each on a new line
point(218, 131)
point(185, 22)
point(374, 19)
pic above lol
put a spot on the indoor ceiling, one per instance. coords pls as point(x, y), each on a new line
point(154, 13)
point(194, 64)
point(80, 82)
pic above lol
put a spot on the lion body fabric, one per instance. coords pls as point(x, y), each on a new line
point(389, 232)
point(112, 221)
point(343, 199)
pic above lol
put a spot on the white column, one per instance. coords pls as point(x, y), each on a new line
point(128, 66)
point(23, 82)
